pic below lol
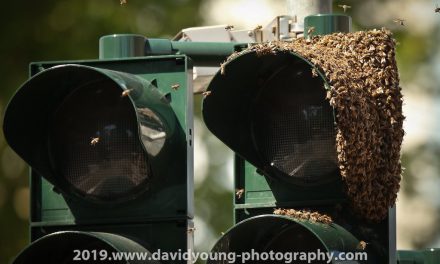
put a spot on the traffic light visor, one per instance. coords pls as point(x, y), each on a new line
point(279, 234)
point(82, 247)
point(89, 131)
point(272, 111)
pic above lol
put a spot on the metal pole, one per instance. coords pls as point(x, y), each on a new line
point(299, 9)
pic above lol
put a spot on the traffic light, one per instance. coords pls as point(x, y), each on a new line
point(110, 147)
point(287, 111)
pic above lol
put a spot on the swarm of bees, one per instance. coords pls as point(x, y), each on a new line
point(305, 215)
point(363, 87)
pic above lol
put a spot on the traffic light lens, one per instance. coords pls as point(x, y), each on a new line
point(293, 125)
point(94, 145)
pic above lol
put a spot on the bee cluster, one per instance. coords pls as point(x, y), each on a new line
point(305, 215)
point(363, 88)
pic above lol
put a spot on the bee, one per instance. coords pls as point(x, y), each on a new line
point(259, 27)
point(222, 69)
point(239, 193)
point(126, 92)
point(191, 230)
point(437, 9)
point(94, 141)
point(399, 21)
point(206, 93)
point(345, 7)
point(123, 2)
point(314, 72)
point(362, 245)
point(310, 31)
point(175, 86)
point(229, 27)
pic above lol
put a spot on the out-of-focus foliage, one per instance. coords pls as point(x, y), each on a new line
point(63, 30)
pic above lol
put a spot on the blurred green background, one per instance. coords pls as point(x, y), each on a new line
point(66, 30)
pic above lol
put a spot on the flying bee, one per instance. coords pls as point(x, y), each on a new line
point(229, 27)
point(399, 21)
point(126, 92)
point(175, 86)
point(206, 93)
point(362, 245)
point(123, 2)
point(437, 9)
point(94, 141)
point(345, 7)
point(191, 229)
point(239, 193)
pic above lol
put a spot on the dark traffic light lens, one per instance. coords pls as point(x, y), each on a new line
point(293, 125)
point(94, 145)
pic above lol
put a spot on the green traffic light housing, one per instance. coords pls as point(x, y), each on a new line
point(80, 127)
point(109, 143)
point(271, 106)
point(273, 112)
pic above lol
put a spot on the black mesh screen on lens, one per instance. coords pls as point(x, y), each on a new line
point(94, 144)
point(293, 126)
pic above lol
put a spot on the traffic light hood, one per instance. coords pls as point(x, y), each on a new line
point(72, 122)
point(77, 246)
point(272, 233)
point(271, 109)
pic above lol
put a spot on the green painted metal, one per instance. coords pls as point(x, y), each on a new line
point(265, 233)
point(427, 256)
point(324, 24)
point(202, 53)
point(119, 46)
point(266, 191)
point(99, 246)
